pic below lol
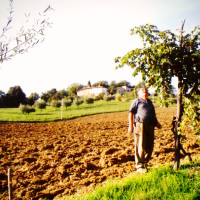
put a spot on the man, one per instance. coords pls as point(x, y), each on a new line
point(142, 121)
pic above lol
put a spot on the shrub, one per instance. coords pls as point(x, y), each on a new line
point(77, 102)
point(107, 98)
point(55, 104)
point(118, 97)
point(67, 102)
point(100, 96)
point(40, 104)
point(89, 100)
point(26, 108)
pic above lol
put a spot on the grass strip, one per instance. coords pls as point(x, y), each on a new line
point(53, 114)
point(158, 183)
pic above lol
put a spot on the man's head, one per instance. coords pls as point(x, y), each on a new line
point(143, 93)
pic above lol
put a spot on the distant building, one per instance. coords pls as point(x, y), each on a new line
point(123, 89)
point(92, 91)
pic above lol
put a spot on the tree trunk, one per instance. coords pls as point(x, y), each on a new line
point(179, 106)
point(177, 151)
point(177, 124)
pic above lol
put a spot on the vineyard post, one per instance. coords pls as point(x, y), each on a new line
point(61, 109)
point(10, 184)
point(177, 143)
point(179, 107)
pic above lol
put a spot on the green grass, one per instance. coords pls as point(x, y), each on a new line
point(158, 183)
point(52, 114)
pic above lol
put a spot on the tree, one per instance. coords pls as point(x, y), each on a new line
point(50, 94)
point(165, 55)
point(77, 102)
point(67, 103)
point(112, 88)
point(2, 99)
point(89, 100)
point(25, 38)
point(44, 96)
point(57, 96)
point(123, 83)
point(32, 98)
point(26, 108)
point(56, 104)
point(15, 97)
point(40, 104)
point(89, 84)
point(72, 89)
point(63, 93)
point(101, 83)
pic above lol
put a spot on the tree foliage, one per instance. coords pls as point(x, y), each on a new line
point(89, 100)
point(32, 98)
point(67, 103)
point(72, 89)
point(40, 104)
point(55, 104)
point(101, 83)
point(124, 83)
point(165, 55)
point(78, 101)
point(15, 97)
point(26, 108)
point(27, 37)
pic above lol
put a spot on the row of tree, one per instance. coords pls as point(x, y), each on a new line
point(15, 96)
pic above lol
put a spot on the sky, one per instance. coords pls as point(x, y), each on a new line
point(85, 38)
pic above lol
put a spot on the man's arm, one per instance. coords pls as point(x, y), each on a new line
point(131, 119)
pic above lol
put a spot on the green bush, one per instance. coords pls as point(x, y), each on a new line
point(100, 96)
point(26, 108)
point(40, 104)
point(107, 98)
point(89, 100)
point(55, 104)
point(67, 102)
point(77, 102)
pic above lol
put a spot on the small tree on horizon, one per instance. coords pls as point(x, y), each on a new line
point(40, 104)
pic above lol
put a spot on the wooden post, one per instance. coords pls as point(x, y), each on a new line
point(178, 145)
point(10, 184)
point(61, 109)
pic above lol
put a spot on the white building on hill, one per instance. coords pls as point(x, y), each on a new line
point(123, 89)
point(92, 91)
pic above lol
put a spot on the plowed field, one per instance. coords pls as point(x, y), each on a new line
point(60, 158)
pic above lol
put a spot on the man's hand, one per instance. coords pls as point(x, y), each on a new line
point(130, 129)
point(158, 125)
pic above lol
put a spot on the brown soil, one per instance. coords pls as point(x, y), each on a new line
point(61, 158)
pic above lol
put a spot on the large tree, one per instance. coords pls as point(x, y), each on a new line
point(165, 55)
point(15, 96)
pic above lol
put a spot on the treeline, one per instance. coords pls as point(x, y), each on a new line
point(15, 96)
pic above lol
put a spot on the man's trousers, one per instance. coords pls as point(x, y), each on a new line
point(144, 142)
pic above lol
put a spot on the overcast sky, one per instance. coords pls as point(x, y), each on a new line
point(85, 37)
